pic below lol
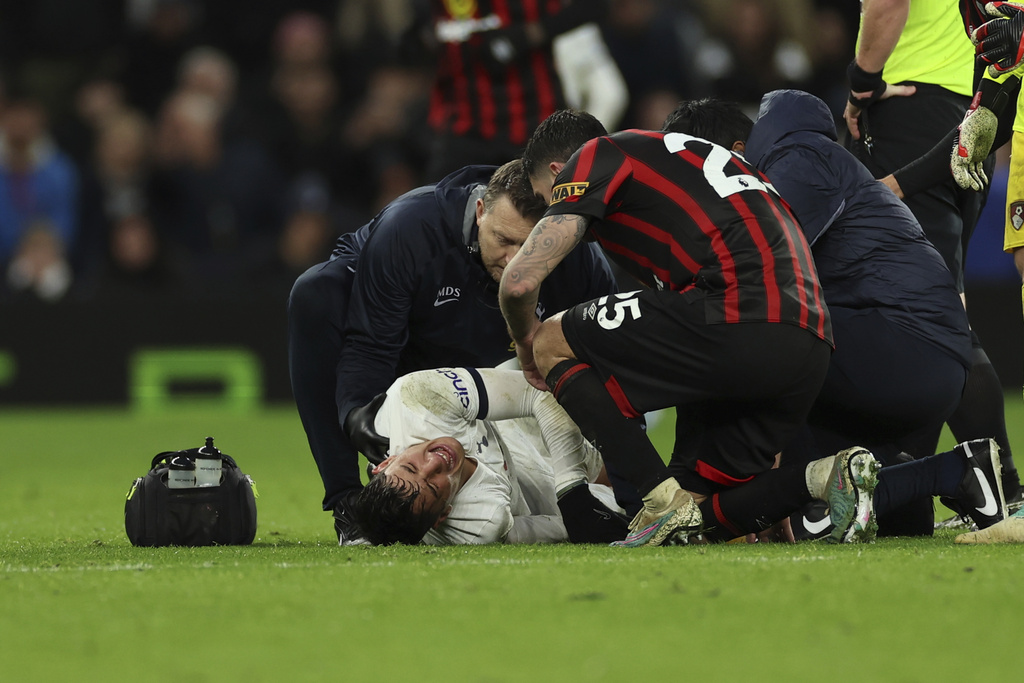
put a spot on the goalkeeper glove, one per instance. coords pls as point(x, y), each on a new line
point(974, 141)
point(1000, 42)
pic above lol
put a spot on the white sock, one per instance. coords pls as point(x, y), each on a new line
point(661, 495)
point(817, 474)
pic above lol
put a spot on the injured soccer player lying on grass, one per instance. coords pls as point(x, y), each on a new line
point(480, 456)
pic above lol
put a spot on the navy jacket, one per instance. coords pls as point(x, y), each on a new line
point(421, 297)
point(869, 249)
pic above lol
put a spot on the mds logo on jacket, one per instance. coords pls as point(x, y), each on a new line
point(447, 295)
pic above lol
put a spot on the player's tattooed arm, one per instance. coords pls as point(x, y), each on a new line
point(550, 242)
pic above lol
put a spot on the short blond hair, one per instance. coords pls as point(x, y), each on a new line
point(512, 181)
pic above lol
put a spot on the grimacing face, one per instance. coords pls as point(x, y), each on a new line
point(502, 232)
point(435, 468)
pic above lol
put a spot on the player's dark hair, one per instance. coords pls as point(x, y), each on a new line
point(717, 121)
point(511, 181)
point(383, 510)
point(558, 136)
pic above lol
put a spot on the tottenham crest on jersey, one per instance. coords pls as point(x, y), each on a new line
point(559, 193)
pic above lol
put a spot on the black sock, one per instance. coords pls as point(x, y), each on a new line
point(622, 441)
point(587, 520)
point(981, 413)
point(915, 518)
point(626, 494)
point(755, 505)
point(898, 485)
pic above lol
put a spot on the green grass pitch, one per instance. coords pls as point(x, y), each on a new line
point(79, 603)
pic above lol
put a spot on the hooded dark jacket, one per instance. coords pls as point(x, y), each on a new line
point(869, 249)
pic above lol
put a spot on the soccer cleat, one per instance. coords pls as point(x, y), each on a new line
point(675, 527)
point(811, 522)
point(850, 494)
point(954, 522)
point(668, 517)
point(980, 493)
point(348, 531)
point(1009, 530)
point(1014, 507)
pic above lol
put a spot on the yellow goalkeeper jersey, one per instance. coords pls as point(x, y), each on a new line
point(1013, 233)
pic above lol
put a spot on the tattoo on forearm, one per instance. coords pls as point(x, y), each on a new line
point(551, 232)
point(551, 239)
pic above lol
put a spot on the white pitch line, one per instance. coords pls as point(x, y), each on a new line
point(345, 563)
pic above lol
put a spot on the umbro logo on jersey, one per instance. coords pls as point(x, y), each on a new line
point(446, 295)
point(559, 193)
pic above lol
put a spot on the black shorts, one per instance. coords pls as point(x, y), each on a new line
point(741, 389)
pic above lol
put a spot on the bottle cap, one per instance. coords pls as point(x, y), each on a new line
point(209, 448)
point(181, 462)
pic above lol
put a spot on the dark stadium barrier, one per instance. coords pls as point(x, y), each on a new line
point(146, 355)
point(234, 354)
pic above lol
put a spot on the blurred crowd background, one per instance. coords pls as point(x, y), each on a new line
point(217, 148)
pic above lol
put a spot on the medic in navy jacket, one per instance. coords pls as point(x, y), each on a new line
point(408, 291)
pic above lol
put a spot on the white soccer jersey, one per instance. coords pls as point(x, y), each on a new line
point(508, 427)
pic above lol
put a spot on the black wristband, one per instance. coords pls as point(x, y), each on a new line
point(988, 89)
point(995, 96)
point(861, 80)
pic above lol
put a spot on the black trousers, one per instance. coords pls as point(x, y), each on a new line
point(884, 388)
point(901, 130)
point(316, 323)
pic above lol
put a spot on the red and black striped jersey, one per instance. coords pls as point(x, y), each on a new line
point(678, 212)
point(475, 93)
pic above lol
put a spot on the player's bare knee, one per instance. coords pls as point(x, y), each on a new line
point(549, 344)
